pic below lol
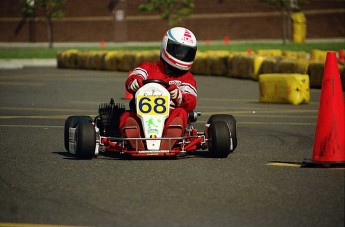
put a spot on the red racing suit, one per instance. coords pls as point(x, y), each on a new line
point(185, 83)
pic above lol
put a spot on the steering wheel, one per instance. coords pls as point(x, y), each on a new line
point(161, 82)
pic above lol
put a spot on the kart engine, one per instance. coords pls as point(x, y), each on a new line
point(109, 118)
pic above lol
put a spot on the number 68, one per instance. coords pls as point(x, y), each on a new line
point(156, 105)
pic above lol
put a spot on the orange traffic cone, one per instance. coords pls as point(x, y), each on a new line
point(207, 42)
point(102, 44)
point(128, 95)
point(226, 40)
point(341, 56)
point(329, 142)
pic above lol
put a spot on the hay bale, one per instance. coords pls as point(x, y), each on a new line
point(284, 88)
point(290, 65)
point(269, 65)
point(295, 54)
point(270, 52)
point(318, 55)
point(199, 66)
point(217, 62)
point(246, 67)
point(68, 59)
point(96, 60)
point(315, 72)
point(110, 60)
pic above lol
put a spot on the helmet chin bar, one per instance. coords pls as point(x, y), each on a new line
point(172, 71)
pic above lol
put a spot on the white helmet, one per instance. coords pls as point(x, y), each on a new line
point(178, 48)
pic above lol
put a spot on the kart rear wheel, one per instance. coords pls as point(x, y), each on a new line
point(72, 122)
point(85, 140)
point(219, 139)
point(232, 125)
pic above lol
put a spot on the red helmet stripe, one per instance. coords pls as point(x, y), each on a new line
point(174, 61)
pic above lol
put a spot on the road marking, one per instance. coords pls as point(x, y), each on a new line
point(227, 100)
point(44, 109)
point(51, 76)
point(248, 114)
point(6, 224)
point(35, 117)
point(283, 164)
point(268, 123)
point(276, 111)
point(254, 101)
point(33, 126)
point(272, 116)
point(21, 84)
point(87, 102)
point(292, 164)
point(275, 123)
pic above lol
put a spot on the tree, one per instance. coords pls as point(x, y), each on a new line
point(51, 9)
point(286, 7)
point(171, 10)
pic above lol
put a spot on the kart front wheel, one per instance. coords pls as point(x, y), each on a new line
point(72, 122)
point(232, 125)
point(85, 140)
point(219, 144)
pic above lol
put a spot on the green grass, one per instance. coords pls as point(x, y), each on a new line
point(307, 47)
point(21, 52)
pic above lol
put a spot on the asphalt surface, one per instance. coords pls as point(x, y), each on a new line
point(260, 184)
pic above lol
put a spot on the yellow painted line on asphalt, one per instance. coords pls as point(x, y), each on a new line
point(249, 114)
point(35, 117)
point(28, 76)
point(283, 164)
point(46, 109)
point(95, 103)
point(272, 116)
point(32, 126)
point(227, 100)
point(255, 101)
point(275, 123)
point(269, 123)
point(48, 76)
point(21, 84)
point(275, 111)
point(8, 224)
point(291, 164)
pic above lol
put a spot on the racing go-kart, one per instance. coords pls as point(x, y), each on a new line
point(86, 138)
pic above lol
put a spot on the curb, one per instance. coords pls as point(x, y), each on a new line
point(21, 63)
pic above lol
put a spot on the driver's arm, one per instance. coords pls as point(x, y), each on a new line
point(135, 78)
point(186, 97)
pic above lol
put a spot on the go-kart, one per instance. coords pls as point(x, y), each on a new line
point(86, 138)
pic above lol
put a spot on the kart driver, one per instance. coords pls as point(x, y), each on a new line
point(177, 53)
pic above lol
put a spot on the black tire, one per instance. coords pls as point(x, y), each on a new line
point(72, 122)
point(232, 125)
point(219, 139)
point(85, 140)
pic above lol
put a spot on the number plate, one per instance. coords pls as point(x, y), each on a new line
point(153, 105)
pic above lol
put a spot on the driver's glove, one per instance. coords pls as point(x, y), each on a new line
point(135, 84)
point(175, 94)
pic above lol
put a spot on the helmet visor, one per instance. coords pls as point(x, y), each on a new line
point(180, 51)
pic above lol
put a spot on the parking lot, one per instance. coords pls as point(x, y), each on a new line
point(260, 184)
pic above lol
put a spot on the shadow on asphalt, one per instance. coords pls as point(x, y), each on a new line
point(114, 156)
